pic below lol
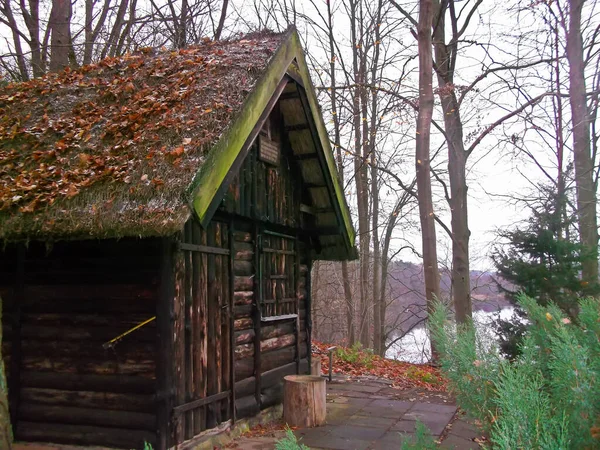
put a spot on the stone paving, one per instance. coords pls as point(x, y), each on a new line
point(370, 415)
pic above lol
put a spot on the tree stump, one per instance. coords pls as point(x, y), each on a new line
point(315, 367)
point(304, 401)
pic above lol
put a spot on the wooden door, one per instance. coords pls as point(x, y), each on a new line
point(203, 330)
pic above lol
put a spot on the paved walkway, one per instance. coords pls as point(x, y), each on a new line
point(369, 414)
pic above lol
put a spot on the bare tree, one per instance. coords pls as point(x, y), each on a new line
point(422, 161)
point(584, 165)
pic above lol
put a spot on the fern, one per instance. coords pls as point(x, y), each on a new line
point(290, 442)
point(422, 440)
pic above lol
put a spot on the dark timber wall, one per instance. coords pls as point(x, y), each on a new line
point(271, 262)
point(61, 303)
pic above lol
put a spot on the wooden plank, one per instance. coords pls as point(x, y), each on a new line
point(279, 252)
point(181, 409)
point(189, 372)
point(199, 326)
point(218, 318)
point(297, 305)
point(257, 313)
point(93, 383)
point(84, 435)
point(212, 372)
point(279, 318)
point(69, 396)
point(203, 249)
point(232, 343)
point(86, 416)
point(178, 337)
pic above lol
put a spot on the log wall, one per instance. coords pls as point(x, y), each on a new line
point(61, 304)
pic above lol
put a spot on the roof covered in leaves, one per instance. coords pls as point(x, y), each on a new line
point(111, 149)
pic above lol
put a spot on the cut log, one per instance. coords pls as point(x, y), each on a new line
point(304, 401)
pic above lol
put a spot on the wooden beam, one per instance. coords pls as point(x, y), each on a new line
point(279, 318)
point(297, 127)
point(294, 75)
point(203, 249)
point(181, 409)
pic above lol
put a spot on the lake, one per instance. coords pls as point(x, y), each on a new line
point(415, 347)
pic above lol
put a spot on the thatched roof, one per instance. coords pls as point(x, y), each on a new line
point(113, 149)
point(134, 146)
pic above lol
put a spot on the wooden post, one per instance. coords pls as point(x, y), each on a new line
point(304, 399)
point(189, 369)
point(231, 274)
point(256, 317)
point(297, 295)
point(164, 322)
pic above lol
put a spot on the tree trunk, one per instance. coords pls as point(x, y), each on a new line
point(430, 267)
point(584, 166)
point(378, 318)
point(351, 335)
point(457, 161)
point(60, 42)
point(219, 29)
point(5, 428)
point(360, 176)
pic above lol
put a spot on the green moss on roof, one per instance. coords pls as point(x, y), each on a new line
point(111, 149)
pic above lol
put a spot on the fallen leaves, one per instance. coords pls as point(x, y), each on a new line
point(121, 120)
point(403, 375)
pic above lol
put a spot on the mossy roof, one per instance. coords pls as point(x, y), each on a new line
point(132, 145)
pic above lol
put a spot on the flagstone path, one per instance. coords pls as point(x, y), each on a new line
point(371, 415)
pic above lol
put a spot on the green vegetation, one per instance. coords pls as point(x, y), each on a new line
point(356, 354)
point(548, 397)
point(290, 442)
point(543, 260)
point(419, 374)
point(422, 440)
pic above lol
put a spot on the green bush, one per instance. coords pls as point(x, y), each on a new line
point(356, 354)
point(546, 398)
point(290, 442)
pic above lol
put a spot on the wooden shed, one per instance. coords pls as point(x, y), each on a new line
point(159, 215)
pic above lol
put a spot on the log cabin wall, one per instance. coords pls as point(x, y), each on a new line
point(270, 262)
point(61, 304)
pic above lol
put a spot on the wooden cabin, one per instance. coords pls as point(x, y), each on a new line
point(159, 215)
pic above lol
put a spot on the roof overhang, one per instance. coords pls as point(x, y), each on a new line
point(227, 155)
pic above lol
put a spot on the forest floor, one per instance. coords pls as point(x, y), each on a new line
point(373, 403)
